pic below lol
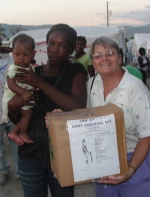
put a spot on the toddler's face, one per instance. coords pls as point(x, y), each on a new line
point(22, 54)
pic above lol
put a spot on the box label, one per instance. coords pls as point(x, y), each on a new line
point(93, 145)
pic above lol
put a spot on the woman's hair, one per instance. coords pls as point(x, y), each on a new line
point(104, 41)
point(24, 38)
point(69, 32)
point(82, 39)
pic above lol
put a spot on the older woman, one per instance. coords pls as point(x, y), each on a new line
point(113, 84)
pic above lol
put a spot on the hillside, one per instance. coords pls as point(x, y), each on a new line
point(130, 30)
point(25, 27)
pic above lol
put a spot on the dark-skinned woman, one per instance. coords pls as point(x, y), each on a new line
point(61, 85)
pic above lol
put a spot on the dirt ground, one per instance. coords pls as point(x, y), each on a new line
point(13, 187)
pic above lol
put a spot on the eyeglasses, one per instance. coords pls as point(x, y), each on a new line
point(108, 54)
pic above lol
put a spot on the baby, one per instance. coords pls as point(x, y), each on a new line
point(23, 54)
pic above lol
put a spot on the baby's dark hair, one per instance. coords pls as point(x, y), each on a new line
point(82, 39)
point(24, 38)
point(70, 33)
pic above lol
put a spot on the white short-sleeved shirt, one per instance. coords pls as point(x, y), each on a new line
point(133, 97)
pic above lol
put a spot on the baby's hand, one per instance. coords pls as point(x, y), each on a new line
point(26, 95)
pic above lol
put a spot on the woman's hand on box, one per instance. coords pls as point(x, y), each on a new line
point(114, 180)
point(57, 111)
point(47, 118)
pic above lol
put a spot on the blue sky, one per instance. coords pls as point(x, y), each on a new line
point(75, 12)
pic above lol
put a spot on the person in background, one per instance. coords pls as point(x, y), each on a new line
point(23, 53)
point(62, 85)
point(5, 59)
point(82, 57)
point(131, 69)
point(143, 63)
point(113, 84)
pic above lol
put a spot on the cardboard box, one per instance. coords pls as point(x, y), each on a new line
point(60, 153)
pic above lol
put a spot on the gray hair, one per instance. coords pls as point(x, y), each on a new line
point(104, 42)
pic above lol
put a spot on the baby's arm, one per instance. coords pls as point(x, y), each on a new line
point(14, 87)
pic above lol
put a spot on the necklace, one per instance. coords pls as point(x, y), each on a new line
point(59, 78)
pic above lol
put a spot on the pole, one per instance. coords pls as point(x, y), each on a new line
point(107, 16)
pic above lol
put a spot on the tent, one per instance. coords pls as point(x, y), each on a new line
point(91, 33)
point(130, 45)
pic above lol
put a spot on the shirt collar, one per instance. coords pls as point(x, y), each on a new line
point(123, 83)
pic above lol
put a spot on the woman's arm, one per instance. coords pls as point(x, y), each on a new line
point(140, 153)
point(78, 96)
